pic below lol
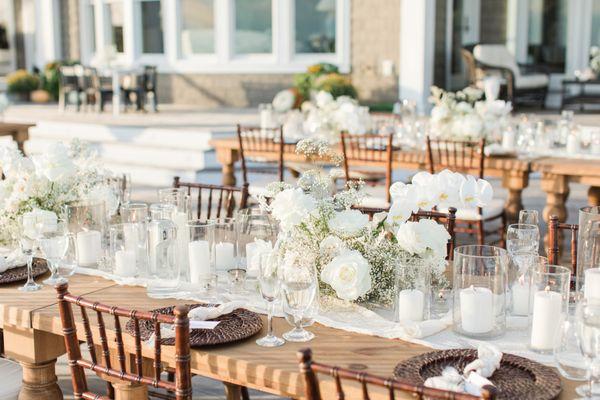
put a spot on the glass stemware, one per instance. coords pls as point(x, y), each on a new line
point(529, 217)
point(523, 238)
point(299, 284)
point(54, 246)
point(588, 314)
point(269, 285)
point(28, 246)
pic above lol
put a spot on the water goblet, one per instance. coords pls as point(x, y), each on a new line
point(54, 246)
point(299, 284)
point(28, 246)
point(529, 217)
point(269, 285)
point(522, 238)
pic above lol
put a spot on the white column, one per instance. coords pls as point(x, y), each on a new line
point(171, 16)
point(47, 32)
point(132, 41)
point(417, 35)
point(517, 28)
point(225, 26)
point(579, 26)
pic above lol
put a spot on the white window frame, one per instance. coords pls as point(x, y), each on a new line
point(282, 59)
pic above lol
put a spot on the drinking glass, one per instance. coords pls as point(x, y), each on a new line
point(269, 285)
point(28, 246)
point(523, 238)
point(54, 246)
point(571, 362)
point(529, 217)
point(299, 284)
point(589, 340)
point(134, 212)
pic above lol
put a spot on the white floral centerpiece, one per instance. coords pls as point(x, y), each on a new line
point(357, 259)
point(595, 59)
point(464, 116)
point(42, 184)
point(326, 117)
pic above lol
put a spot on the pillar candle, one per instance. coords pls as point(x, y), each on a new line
point(476, 310)
point(411, 303)
point(199, 258)
point(125, 263)
point(547, 317)
point(508, 140)
point(591, 287)
point(130, 236)
point(224, 256)
point(573, 144)
point(520, 298)
point(89, 248)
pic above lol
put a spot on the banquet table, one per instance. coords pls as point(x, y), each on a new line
point(18, 132)
point(33, 336)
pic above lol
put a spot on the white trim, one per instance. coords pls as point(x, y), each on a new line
point(10, 32)
point(517, 28)
point(47, 32)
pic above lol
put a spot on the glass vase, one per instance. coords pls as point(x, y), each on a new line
point(163, 268)
point(182, 202)
point(86, 221)
point(412, 291)
point(201, 246)
point(588, 246)
point(480, 283)
point(225, 244)
point(256, 233)
point(134, 212)
point(129, 249)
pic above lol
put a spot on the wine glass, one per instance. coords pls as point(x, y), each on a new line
point(269, 285)
point(523, 238)
point(529, 217)
point(588, 315)
point(28, 246)
point(54, 245)
point(299, 284)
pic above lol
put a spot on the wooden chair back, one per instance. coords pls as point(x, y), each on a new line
point(447, 219)
point(554, 241)
point(258, 140)
point(311, 369)
point(214, 201)
point(370, 150)
point(457, 155)
point(182, 387)
point(470, 63)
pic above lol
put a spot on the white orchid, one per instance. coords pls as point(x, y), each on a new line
point(348, 222)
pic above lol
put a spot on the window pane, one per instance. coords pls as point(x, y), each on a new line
point(92, 28)
point(595, 23)
point(197, 27)
point(315, 26)
point(548, 33)
point(152, 34)
point(253, 26)
point(115, 16)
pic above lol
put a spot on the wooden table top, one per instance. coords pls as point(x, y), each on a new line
point(271, 370)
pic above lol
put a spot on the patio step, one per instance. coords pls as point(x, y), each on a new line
point(152, 155)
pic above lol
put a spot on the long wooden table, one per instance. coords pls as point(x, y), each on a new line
point(33, 336)
point(18, 132)
point(557, 173)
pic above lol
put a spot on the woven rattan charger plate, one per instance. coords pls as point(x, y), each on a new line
point(237, 325)
point(19, 274)
point(517, 377)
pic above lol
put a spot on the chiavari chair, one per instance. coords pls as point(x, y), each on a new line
point(311, 369)
point(467, 157)
point(368, 158)
point(101, 363)
point(555, 228)
point(214, 201)
point(255, 143)
point(447, 219)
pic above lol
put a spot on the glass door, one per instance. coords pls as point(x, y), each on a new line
point(464, 17)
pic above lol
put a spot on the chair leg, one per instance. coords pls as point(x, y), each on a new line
point(245, 394)
point(480, 233)
point(503, 230)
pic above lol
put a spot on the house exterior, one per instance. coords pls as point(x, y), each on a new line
point(238, 53)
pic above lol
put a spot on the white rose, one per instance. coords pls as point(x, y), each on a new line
point(349, 274)
point(259, 247)
point(332, 245)
point(439, 113)
point(292, 206)
point(348, 222)
point(323, 99)
point(55, 163)
point(410, 238)
point(284, 101)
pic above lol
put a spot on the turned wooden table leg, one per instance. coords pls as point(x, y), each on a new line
point(557, 192)
point(127, 391)
point(227, 158)
point(514, 182)
point(40, 382)
point(232, 391)
point(594, 196)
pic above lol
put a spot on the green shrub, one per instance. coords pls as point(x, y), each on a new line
point(22, 81)
point(323, 76)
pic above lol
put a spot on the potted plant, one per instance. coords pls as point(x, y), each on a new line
point(20, 84)
point(323, 77)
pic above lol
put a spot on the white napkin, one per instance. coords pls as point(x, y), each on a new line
point(474, 376)
point(419, 330)
point(11, 258)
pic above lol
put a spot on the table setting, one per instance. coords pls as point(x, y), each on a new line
point(305, 255)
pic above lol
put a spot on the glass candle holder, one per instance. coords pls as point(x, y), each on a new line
point(163, 267)
point(588, 246)
point(256, 233)
point(182, 201)
point(129, 249)
point(520, 296)
point(201, 244)
point(413, 291)
point(550, 287)
point(480, 283)
point(225, 244)
point(86, 221)
point(134, 212)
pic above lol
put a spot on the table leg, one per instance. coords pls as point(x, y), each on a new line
point(40, 382)
point(20, 136)
point(594, 196)
point(227, 158)
point(557, 191)
point(515, 182)
point(232, 391)
point(127, 391)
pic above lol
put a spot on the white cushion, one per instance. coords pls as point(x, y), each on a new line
point(374, 202)
point(493, 209)
point(11, 376)
point(496, 55)
point(532, 81)
point(257, 190)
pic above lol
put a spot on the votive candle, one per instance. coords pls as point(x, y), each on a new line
point(411, 303)
point(224, 256)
